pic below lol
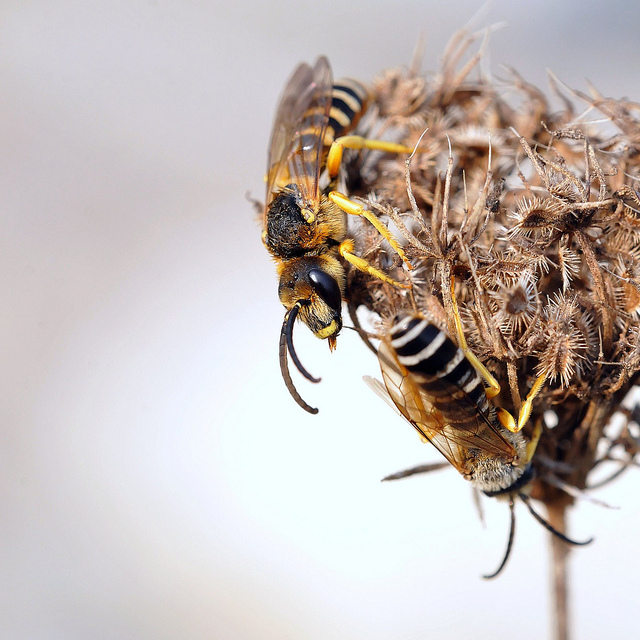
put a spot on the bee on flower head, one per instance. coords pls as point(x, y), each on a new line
point(438, 387)
point(304, 221)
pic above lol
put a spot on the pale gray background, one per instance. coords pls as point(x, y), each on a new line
point(156, 481)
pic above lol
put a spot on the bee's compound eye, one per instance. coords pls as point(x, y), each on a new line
point(326, 287)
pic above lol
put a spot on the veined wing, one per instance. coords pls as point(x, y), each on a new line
point(415, 402)
point(296, 147)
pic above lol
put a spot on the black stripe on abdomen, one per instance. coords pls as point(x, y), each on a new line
point(352, 88)
point(348, 100)
point(429, 353)
point(341, 117)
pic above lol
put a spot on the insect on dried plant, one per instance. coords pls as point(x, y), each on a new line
point(305, 218)
point(535, 216)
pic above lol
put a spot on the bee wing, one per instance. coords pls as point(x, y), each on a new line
point(381, 391)
point(304, 109)
point(416, 405)
point(431, 423)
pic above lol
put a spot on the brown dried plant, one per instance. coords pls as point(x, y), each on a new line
point(536, 215)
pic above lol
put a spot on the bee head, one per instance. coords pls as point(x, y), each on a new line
point(311, 289)
point(317, 286)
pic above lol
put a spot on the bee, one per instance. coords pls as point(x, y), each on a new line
point(438, 387)
point(304, 222)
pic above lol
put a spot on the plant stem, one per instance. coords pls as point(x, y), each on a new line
point(559, 554)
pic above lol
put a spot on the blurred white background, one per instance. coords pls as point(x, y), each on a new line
point(157, 481)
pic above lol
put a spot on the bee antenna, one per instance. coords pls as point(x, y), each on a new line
point(512, 533)
point(359, 330)
point(287, 330)
point(525, 498)
point(286, 343)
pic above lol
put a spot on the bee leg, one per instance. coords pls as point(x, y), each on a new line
point(535, 438)
point(356, 209)
point(346, 251)
point(493, 386)
point(423, 468)
point(527, 405)
point(508, 420)
point(358, 142)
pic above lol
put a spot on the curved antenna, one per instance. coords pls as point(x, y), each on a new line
point(525, 498)
point(512, 533)
point(287, 330)
point(358, 328)
point(286, 344)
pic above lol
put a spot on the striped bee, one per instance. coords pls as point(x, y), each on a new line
point(441, 394)
point(439, 390)
point(304, 221)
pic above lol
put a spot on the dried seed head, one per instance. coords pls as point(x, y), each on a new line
point(536, 216)
point(541, 231)
point(567, 338)
point(505, 269)
point(515, 306)
point(399, 95)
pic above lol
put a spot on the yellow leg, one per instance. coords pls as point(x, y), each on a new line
point(356, 209)
point(358, 142)
point(508, 421)
point(493, 386)
point(527, 405)
point(535, 438)
point(346, 251)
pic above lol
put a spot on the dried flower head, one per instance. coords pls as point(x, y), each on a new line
point(536, 218)
point(515, 306)
point(567, 339)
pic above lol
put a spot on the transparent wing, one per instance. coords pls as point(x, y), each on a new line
point(416, 405)
point(295, 150)
point(381, 391)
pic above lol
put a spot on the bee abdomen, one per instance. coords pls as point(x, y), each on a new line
point(348, 103)
point(432, 357)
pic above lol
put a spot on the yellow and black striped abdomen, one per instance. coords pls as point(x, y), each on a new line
point(348, 103)
point(442, 371)
point(435, 386)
